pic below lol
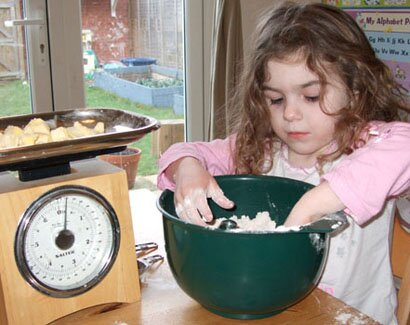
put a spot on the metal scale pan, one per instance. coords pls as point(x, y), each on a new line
point(53, 158)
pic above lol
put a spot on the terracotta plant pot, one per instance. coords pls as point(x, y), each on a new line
point(128, 160)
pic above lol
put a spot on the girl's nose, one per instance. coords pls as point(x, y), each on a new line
point(292, 112)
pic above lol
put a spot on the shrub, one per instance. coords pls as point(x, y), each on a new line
point(160, 83)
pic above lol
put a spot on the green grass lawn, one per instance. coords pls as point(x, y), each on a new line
point(15, 99)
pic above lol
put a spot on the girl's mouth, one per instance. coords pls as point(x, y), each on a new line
point(297, 135)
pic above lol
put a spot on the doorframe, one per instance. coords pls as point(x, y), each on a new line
point(66, 57)
point(198, 34)
point(54, 54)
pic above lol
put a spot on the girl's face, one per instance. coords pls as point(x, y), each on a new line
point(292, 92)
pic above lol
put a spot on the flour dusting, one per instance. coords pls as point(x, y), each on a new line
point(346, 318)
point(317, 241)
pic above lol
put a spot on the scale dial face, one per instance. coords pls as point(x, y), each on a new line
point(67, 240)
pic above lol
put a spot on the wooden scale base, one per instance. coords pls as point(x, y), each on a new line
point(20, 303)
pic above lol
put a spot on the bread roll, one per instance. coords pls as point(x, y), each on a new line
point(60, 134)
point(79, 130)
point(27, 139)
point(99, 128)
point(37, 125)
point(13, 130)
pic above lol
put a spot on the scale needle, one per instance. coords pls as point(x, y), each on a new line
point(65, 238)
point(65, 214)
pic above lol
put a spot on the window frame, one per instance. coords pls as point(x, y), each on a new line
point(39, 68)
point(198, 35)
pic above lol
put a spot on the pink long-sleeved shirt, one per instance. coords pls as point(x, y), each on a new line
point(363, 180)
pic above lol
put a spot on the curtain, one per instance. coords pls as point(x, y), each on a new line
point(226, 60)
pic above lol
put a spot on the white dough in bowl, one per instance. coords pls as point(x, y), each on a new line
point(261, 223)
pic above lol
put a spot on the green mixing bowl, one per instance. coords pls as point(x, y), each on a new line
point(245, 275)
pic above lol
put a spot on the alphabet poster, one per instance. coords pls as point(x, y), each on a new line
point(387, 27)
point(389, 35)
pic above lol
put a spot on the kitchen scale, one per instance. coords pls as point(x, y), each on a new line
point(66, 240)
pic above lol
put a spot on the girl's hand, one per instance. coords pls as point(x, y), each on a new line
point(314, 204)
point(193, 186)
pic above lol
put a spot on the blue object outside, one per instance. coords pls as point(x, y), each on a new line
point(138, 61)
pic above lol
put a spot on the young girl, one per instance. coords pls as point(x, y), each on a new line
point(315, 105)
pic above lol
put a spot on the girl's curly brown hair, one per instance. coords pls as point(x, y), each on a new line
point(329, 40)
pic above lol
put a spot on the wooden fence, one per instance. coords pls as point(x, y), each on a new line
point(12, 54)
point(157, 30)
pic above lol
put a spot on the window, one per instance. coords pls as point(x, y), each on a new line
point(88, 36)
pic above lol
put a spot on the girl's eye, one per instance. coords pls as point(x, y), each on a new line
point(312, 98)
point(276, 101)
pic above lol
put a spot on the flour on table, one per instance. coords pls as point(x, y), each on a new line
point(345, 318)
point(261, 223)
